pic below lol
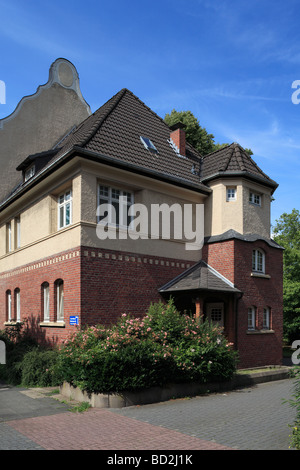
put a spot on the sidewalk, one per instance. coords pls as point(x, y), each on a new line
point(252, 418)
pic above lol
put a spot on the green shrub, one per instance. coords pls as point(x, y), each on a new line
point(295, 403)
point(137, 353)
point(38, 368)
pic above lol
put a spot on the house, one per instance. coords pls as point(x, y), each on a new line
point(64, 263)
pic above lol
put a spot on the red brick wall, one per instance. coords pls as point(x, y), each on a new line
point(116, 282)
point(99, 286)
point(233, 259)
point(29, 280)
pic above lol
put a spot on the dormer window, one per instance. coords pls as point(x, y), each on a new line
point(255, 198)
point(148, 144)
point(29, 173)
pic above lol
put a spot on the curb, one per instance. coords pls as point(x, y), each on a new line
point(171, 391)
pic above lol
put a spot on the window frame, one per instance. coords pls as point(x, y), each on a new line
point(256, 262)
point(229, 196)
point(267, 318)
point(252, 196)
point(8, 306)
point(62, 206)
point(110, 198)
point(46, 302)
point(252, 324)
point(17, 297)
point(59, 286)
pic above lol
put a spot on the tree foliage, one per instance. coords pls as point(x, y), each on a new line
point(287, 234)
point(196, 135)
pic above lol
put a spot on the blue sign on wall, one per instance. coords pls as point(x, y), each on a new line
point(74, 320)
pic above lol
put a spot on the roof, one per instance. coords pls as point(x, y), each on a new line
point(201, 276)
point(111, 135)
point(233, 160)
point(250, 237)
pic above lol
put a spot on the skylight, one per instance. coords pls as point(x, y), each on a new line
point(148, 144)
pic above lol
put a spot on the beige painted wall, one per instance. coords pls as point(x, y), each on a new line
point(38, 212)
point(240, 215)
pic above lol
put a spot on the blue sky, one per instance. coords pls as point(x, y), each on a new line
point(231, 62)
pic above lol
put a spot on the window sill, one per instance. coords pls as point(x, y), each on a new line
point(259, 332)
point(12, 323)
point(261, 275)
point(56, 324)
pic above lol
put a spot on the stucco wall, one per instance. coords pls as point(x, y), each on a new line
point(40, 121)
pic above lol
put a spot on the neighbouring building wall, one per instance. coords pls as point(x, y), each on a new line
point(40, 121)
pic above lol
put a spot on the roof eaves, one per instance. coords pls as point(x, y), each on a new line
point(246, 174)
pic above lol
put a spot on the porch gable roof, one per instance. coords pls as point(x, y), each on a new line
point(201, 276)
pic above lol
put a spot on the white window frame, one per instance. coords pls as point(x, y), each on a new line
point(46, 302)
point(9, 237)
point(230, 194)
point(64, 201)
point(60, 300)
point(266, 318)
point(29, 173)
point(111, 196)
point(18, 304)
point(8, 304)
point(258, 261)
point(255, 198)
point(251, 320)
point(18, 232)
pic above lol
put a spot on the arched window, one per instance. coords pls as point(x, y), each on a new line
point(258, 261)
point(59, 287)
point(17, 305)
point(46, 302)
point(8, 306)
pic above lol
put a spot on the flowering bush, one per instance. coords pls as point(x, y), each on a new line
point(137, 353)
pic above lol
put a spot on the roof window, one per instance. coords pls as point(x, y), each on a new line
point(29, 173)
point(148, 144)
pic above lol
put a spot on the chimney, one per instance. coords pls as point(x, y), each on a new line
point(178, 137)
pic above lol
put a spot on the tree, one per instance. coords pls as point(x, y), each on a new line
point(196, 135)
point(287, 234)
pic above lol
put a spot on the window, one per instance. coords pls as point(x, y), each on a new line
point(8, 238)
point(17, 305)
point(231, 194)
point(59, 284)
point(251, 318)
point(148, 144)
point(17, 232)
point(266, 318)
point(46, 302)
point(65, 209)
point(118, 203)
point(255, 198)
point(8, 306)
point(258, 261)
point(29, 173)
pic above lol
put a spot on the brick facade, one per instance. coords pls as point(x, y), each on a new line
point(99, 286)
point(257, 347)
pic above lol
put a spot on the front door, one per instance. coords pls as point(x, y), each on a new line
point(215, 313)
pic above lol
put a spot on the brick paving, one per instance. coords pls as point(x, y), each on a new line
point(103, 430)
point(253, 418)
